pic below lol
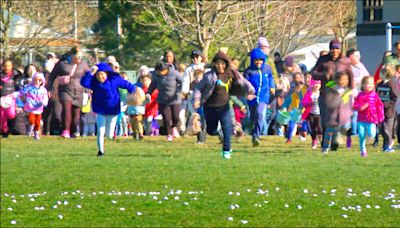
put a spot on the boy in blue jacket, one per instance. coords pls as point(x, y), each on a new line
point(259, 73)
point(105, 99)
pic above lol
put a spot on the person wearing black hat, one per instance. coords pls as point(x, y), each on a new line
point(187, 79)
point(325, 69)
point(169, 84)
point(213, 92)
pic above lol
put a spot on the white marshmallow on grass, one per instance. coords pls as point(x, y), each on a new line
point(122, 209)
point(10, 209)
point(244, 221)
point(14, 201)
point(113, 201)
point(65, 203)
point(377, 206)
point(367, 206)
point(186, 203)
point(299, 207)
point(286, 205)
point(230, 219)
point(305, 191)
point(79, 206)
point(344, 216)
point(139, 213)
point(13, 222)
point(60, 216)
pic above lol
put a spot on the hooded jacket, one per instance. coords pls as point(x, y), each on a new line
point(169, 87)
point(205, 88)
point(374, 113)
point(35, 98)
point(105, 97)
point(261, 78)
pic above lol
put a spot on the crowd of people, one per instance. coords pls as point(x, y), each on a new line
point(335, 99)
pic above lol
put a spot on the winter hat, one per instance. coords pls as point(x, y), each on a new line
point(38, 75)
point(335, 44)
point(145, 70)
point(262, 42)
point(289, 61)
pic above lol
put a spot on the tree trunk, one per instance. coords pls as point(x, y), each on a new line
point(6, 20)
point(205, 47)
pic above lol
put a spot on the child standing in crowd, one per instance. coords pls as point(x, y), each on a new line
point(34, 97)
point(136, 113)
point(151, 108)
point(339, 102)
point(260, 76)
point(105, 100)
point(370, 112)
point(312, 111)
point(88, 118)
point(387, 91)
point(295, 109)
point(213, 91)
point(122, 119)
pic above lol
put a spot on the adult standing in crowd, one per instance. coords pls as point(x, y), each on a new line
point(170, 59)
point(188, 77)
point(10, 80)
point(278, 63)
point(359, 71)
point(169, 84)
point(324, 70)
point(51, 60)
point(394, 58)
point(70, 90)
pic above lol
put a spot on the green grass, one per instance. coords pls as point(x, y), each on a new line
point(54, 165)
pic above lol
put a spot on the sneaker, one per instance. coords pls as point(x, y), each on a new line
point(227, 154)
point(348, 142)
point(169, 138)
point(36, 135)
point(175, 133)
point(256, 142)
point(364, 154)
point(314, 144)
point(325, 150)
point(302, 138)
point(100, 154)
point(181, 133)
point(375, 144)
point(389, 150)
point(65, 134)
point(288, 141)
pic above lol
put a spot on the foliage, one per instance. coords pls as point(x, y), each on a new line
point(136, 176)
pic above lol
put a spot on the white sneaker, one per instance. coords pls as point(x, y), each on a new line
point(227, 154)
point(303, 138)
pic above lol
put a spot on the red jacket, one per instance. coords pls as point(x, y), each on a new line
point(152, 106)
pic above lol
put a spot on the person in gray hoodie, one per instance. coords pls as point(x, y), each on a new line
point(169, 84)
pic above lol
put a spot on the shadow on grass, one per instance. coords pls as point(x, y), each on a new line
point(124, 155)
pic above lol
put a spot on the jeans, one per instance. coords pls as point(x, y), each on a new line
point(354, 123)
point(330, 137)
point(365, 129)
point(105, 126)
point(257, 118)
point(220, 115)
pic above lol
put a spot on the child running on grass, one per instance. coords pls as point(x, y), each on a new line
point(213, 91)
point(34, 97)
point(370, 112)
point(338, 111)
point(105, 99)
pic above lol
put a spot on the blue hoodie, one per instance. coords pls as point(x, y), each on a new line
point(105, 98)
point(260, 78)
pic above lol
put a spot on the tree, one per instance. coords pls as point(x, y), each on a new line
point(42, 22)
point(199, 23)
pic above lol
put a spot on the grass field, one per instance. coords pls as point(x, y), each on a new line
point(59, 182)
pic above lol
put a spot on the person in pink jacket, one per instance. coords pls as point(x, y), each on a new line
point(35, 98)
point(370, 112)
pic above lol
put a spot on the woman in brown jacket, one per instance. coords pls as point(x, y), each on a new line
point(70, 94)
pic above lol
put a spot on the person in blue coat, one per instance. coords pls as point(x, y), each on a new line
point(105, 99)
point(259, 74)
